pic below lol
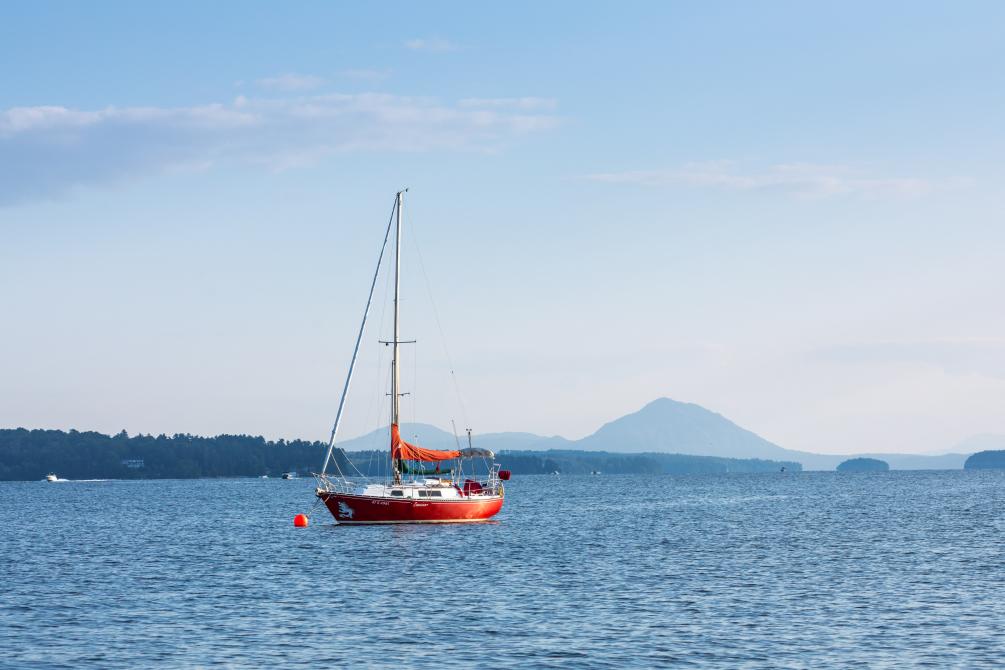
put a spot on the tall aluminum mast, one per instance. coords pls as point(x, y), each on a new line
point(395, 367)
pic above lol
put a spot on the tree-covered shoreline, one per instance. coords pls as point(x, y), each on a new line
point(27, 455)
point(993, 459)
point(30, 454)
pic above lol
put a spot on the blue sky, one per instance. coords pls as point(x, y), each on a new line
point(788, 213)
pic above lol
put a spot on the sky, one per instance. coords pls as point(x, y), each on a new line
point(789, 213)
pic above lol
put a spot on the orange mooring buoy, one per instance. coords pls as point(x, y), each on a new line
point(300, 521)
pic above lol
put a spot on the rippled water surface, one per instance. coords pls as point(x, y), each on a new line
point(898, 569)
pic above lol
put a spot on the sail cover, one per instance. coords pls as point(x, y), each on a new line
point(474, 452)
point(411, 452)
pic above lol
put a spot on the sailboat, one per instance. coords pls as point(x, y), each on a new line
point(412, 493)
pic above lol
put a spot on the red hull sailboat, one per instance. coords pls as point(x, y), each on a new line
point(425, 497)
point(376, 506)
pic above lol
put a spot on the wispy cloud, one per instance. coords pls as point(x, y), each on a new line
point(45, 151)
point(430, 44)
point(366, 73)
point(528, 103)
point(291, 82)
point(806, 179)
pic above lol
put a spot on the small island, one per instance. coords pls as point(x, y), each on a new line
point(986, 460)
point(863, 465)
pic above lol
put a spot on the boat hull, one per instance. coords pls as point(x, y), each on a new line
point(359, 509)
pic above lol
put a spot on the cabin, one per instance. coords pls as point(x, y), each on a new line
point(436, 489)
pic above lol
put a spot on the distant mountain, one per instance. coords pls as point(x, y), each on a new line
point(431, 437)
point(663, 436)
point(667, 426)
point(425, 434)
point(523, 441)
point(664, 426)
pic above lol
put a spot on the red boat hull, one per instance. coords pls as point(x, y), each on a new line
point(347, 508)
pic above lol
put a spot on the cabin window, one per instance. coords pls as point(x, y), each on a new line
point(397, 493)
point(433, 494)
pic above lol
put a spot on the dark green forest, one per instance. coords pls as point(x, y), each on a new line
point(863, 465)
point(986, 460)
point(31, 454)
point(584, 462)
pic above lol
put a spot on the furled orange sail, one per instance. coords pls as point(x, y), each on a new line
point(410, 452)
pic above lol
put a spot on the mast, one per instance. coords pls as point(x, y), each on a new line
point(395, 361)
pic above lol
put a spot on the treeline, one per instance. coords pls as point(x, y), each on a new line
point(585, 462)
point(986, 460)
point(31, 454)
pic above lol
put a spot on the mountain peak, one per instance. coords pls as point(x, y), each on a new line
point(667, 425)
point(665, 400)
point(665, 404)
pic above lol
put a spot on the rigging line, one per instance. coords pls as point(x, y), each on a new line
point(377, 405)
point(439, 325)
point(375, 456)
point(313, 507)
point(415, 382)
point(375, 408)
point(351, 463)
point(362, 327)
point(384, 455)
point(338, 468)
point(345, 455)
point(377, 402)
point(371, 446)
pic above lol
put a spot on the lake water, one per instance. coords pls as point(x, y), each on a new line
point(899, 569)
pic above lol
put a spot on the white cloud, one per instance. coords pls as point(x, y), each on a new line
point(805, 179)
point(59, 122)
point(291, 82)
point(527, 103)
point(434, 44)
point(366, 73)
point(45, 151)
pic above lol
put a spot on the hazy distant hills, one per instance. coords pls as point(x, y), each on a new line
point(895, 461)
point(669, 427)
point(665, 436)
point(432, 437)
point(662, 426)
